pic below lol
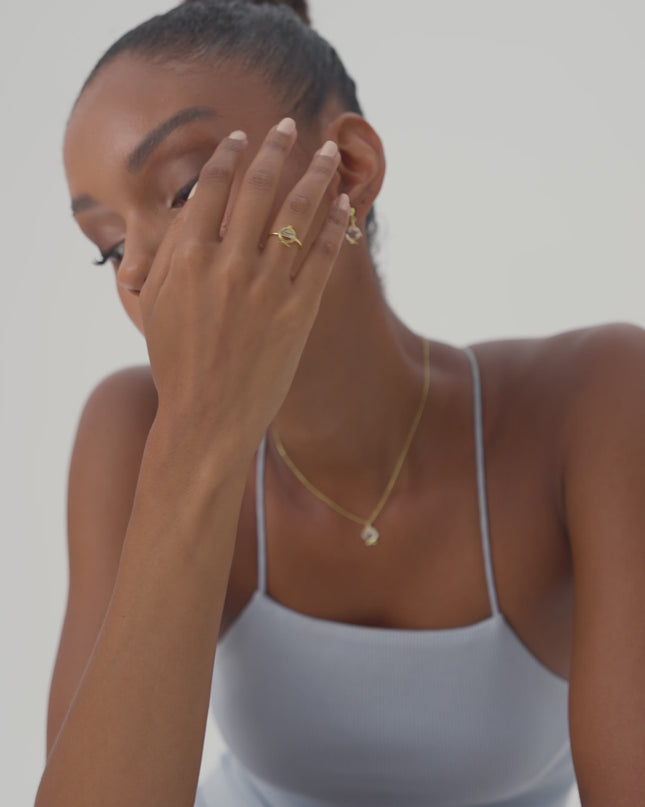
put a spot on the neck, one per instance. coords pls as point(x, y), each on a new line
point(358, 385)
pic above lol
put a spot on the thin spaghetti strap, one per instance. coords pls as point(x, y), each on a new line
point(259, 515)
point(481, 481)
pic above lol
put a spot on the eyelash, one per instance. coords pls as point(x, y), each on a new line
point(110, 255)
point(178, 202)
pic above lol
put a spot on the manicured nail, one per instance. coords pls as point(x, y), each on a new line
point(330, 149)
point(343, 202)
point(287, 126)
point(192, 191)
point(237, 135)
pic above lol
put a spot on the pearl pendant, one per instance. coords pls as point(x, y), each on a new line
point(370, 535)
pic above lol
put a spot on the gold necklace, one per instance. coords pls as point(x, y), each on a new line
point(369, 534)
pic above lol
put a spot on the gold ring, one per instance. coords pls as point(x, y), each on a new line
point(287, 236)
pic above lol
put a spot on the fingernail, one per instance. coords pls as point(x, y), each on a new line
point(287, 126)
point(237, 135)
point(343, 202)
point(192, 191)
point(330, 149)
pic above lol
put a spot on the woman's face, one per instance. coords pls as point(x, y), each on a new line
point(136, 142)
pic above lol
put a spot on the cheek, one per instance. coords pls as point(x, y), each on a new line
point(131, 305)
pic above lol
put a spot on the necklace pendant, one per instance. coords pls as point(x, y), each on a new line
point(370, 535)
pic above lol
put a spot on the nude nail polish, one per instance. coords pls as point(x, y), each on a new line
point(330, 149)
point(287, 126)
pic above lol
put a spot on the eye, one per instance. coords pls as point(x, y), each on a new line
point(182, 196)
point(115, 255)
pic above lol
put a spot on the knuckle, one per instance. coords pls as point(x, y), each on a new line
point(261, 179)
point(327, 247)
point(323, 167)
point(337, 218)
point(278, 142)
point(300, 204)
point(216, 174)
point(193, 254)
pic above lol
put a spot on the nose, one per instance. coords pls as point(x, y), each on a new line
point(133, 269)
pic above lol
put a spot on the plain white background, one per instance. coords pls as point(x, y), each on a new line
point(513, 206)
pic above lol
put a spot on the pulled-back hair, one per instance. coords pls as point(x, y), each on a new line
point(299, 6)
point(270, 38)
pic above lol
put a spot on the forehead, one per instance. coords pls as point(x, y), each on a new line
point(130, 97)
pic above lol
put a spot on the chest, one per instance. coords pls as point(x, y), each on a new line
point(350, 716)
point(429, 568)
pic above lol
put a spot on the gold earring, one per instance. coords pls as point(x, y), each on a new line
point(353, 234)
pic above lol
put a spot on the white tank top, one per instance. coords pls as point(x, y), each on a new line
point(318, 713)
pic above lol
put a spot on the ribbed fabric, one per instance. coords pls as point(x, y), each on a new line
point(318, 713)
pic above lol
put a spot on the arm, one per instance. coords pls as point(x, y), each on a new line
point(134, 732)
point(114, 729)
point(225, 325)
point(605, 506)
point(103, 475)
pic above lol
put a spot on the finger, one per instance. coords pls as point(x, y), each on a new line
point(206, 204)
point(314, 273)
point(161, 264)
point(258, 188)
point(198, 224)
point(302, 206)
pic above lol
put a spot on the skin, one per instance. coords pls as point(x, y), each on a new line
point(565, 450)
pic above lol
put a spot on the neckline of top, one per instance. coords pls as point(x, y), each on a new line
point(421, 637)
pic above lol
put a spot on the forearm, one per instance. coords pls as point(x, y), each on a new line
point(134, 732)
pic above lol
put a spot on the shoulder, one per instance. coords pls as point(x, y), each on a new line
point(604, 448)
point(565, 407)
point(578, 397)
point(118, 412)
point(598, 378)
point(127, 395)
point(109, 443)
point(103, 473)
point(589, 357)
point(603, 481)
point(568, 373)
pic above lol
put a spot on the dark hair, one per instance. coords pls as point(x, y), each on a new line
point(299, 6)
point(267, 36)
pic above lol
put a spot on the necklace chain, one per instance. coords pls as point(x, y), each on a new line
point(370, 534)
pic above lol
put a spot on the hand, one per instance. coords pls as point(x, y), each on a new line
point(226, 317)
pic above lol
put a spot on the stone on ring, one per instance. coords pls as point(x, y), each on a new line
point(287, 236)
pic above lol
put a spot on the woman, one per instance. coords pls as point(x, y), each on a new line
point(411, 558)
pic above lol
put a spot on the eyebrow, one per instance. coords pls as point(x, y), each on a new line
point(151, 141)
point(142, 153)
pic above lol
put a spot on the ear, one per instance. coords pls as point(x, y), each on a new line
point(362, 165)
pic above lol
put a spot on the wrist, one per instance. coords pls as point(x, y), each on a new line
point(197, 451)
